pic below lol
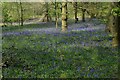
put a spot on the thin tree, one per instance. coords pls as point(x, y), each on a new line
point(83, 14)
point(64, 16)
point(18, 12)
point(46, 5)
point(21, 12)
point(56, 14)
point(75, 11)
point(83, 9)
point(47, 16)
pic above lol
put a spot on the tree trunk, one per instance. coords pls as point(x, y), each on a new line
point(56, 21)
point(64, 16)
point(115, 30)
point(21, 8)
point(75, 10)
point(47, 17)
point(83, 15)
point(56, 15)
point(110, 18)
point(18, 13)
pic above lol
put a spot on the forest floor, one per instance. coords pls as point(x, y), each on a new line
point(80, 26)
point(42, 51)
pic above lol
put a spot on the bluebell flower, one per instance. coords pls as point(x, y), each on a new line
point(17, 34)
point(11, 33)
point(78, 69)
point(92, 70)
point(42, 43)
point(83, 43)
point(96, 35)
point(88, 75)
point(95, 75)
point(25, 33)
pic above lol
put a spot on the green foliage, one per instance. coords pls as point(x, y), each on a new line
point(11, 11)
point(104, 21)
point(116, 11)
point(37, 10)
point(7, 18)
point(65, 55)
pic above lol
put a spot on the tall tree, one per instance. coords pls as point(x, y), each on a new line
point(18, 12)
point(47, 16)
point(115, 30)
point(83, 7)
point(56, 14)
point(109, 19)
point(46, 5)
point(75, 11)
point(64, 16)
point(83, 14)
point(21, 10)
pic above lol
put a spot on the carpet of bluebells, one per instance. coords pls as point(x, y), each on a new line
point(84, 51)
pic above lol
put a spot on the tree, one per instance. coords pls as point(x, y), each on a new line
point(47, 16)
point(115, 28)
point(18, 12)
point(7, 18)
point(21, 13)
point(64, 16)
point(83, 7)
point(109, 19)
point(83, 15)
point(56, 14)
point(75, 11)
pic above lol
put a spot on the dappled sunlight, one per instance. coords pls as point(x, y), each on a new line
point(83, 52)
point(60, 40)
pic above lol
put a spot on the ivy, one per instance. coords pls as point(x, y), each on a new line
point(116, 11)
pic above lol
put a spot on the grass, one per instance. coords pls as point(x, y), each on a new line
point(39, 25)
point(63, 55)
point(30, 26)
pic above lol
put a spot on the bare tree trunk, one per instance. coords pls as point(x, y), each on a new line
point(115, 30)
point(64, 16)
point(56, 22)
point(18, 13)
point(21, 8)
point(110, 18)
point(56, 15)
point(75, 10)
point(83, 15)
point(61, 7)
point(46, 17)
point(46, 4)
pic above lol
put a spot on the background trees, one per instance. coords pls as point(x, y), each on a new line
point(18, 12)
point(52, 11)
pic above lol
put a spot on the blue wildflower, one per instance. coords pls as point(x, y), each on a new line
point(95, 75)
point(92, 70)
point(78, 69)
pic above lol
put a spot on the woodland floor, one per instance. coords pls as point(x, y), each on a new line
point(42, 51)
